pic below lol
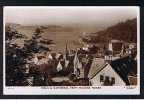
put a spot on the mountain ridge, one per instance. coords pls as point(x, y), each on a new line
point(125, 31)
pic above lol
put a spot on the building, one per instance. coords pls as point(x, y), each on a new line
point(115, 73)
point(101, 73)
point(115, 46)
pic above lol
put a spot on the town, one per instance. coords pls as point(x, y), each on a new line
point(114, 64)
point(71, 47)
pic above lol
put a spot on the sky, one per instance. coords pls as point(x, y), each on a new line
point(68, 15)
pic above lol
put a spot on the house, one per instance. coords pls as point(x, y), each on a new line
point(101, 73)
point(50, 57)
point(114, 73)
point(58, 56)
point(115, 46)
point(131, 48)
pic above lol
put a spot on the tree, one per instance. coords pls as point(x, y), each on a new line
point(125, 31)
point(17, 56)
point(37, 43)
point(14, 58)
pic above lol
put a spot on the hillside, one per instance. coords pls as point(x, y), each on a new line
point(14, 25)
point(126, 31)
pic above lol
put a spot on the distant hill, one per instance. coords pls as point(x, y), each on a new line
point(58, 28)
point(126, 31)
point(12, 25)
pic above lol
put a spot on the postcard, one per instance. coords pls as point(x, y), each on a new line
point(71, 50)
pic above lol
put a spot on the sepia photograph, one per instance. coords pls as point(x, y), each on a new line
point(71, 47)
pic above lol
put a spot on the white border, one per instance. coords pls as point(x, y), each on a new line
point(104, 90)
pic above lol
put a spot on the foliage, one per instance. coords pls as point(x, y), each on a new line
point(14, 57)
point(126, 31)
point(17, 56)
point(36, 44)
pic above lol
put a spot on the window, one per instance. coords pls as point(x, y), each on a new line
point(107, 81)
point(112, 80)
point(101, 78)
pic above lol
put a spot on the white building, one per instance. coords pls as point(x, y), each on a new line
point(101, 73)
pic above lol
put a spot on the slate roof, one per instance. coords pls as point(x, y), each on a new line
point(97, 65)
point(123, 67)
